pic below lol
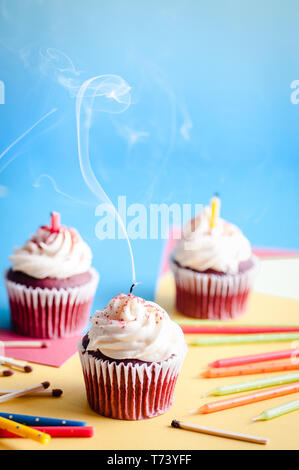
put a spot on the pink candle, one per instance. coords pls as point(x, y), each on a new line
point(270, 356)
point(55, 221)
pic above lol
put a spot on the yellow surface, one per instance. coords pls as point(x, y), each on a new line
point(156, 433)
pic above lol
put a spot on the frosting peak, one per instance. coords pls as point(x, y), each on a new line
point(58, 254)
point(133, 328)
point(222, 248)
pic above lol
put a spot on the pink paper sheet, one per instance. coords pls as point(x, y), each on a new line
point(55, 355)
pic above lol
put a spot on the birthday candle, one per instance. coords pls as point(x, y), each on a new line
point(58, 431)
point(246, 399)
point(243, 339)
point(250, 369)
point(254, 358)
point(235, 329)
point(24, 431)
point(255, 384)
point(215, 211)
point(42, 420)
point(278, 411)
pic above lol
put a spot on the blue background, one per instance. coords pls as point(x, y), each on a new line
point(211, 112)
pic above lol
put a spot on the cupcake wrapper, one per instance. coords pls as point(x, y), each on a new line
point(127, 391)
point(50, 313)
point(211, 296)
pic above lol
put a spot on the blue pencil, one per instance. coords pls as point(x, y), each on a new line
point(41, 420)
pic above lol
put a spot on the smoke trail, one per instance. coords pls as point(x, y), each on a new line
point(115, 98)
point(37, 184)
point(5, 164)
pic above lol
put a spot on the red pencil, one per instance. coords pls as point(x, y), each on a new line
point(236, 361)
point(235, 329)
point(58, 431)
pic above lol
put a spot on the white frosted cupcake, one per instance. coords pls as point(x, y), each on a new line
point(213, 268)
point(51, 283)
point(131, 358)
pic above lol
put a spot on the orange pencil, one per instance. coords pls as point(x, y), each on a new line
point(253, 397)
point(250, 369)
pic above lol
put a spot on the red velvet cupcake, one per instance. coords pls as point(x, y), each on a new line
point(214, 269)
point(131, 358)
point(51, 284)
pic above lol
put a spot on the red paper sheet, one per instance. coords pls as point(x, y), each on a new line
point(55, 355)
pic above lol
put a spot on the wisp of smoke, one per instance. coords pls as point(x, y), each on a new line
point(37, 184)
point(5, 163)
point(113, 95)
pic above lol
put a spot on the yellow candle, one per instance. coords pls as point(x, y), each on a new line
point(24, 431)
point(215, 211)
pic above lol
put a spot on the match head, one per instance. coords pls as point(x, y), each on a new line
point(7, 373)
point(57, 392)
point(28, 369)
point(46, 384)
point(45, 344)
point(175, 423)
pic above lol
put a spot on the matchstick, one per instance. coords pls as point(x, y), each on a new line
point(25, 344)
point(21, 366)
point(219, 432)
point(24, 391)
point(55, 392)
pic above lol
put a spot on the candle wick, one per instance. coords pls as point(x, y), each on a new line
point(133, 285)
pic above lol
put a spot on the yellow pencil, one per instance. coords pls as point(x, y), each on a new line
point(24, 431)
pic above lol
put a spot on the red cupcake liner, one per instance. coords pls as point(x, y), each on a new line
point(212, 296)
point(129, 391)
point(50, 313)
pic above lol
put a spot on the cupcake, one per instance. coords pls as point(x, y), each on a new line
point(214, 268)
point(131, 358)
point(51, 283)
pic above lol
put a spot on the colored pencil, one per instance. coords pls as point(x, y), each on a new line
point(55, 392)
point(248, 398)
point(42, 420)
point(249, 369)
point(24, 431)
point(255, 384)
point(253, 358)
point(57, 431)
point(278, 411)
point(24, 391)
point(219, 432)
point(18, 365)
point(243, 339)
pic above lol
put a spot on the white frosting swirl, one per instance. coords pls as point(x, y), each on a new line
point(222, 248)
point(53, 254)
point(133, 328)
